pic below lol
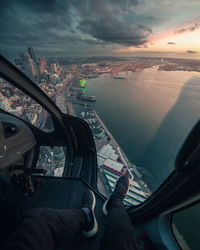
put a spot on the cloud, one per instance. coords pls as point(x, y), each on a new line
point(171, 43)
point(191, 52)
point(191, 28)
point(113, 23)
point(77, 27)
point(123, 35)
point(62, 23)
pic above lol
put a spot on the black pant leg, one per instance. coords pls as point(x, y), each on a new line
point(119, 232)
point(46, 228)
point(10, 210)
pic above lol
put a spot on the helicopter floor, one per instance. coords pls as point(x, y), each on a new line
point(61, 193)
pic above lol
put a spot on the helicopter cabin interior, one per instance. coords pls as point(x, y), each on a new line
point(35, 189)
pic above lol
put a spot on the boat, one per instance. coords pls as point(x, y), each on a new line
point(119, 77)
point(84, 97)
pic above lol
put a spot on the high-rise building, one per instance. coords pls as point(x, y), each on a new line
point(18, 63)
point(22, 59)
point(57, 64)
point(26, 59)
point(32, 54)
point(54, 78)
point(29, 66)
point(5, 104)
point(54, 68)
point(42, 65)
point(33, 68)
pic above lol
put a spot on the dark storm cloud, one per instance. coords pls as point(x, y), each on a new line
point(171, 43)
point(32, 19)
point(190, 28)
point(124, 35)
point(191, 52)
point(58, 23)
point(113, 24)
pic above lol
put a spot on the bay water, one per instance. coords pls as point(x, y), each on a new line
point(150, 114)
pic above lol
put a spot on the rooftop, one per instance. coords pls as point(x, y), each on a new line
point(115, 166)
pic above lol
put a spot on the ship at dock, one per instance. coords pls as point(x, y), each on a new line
point(82, 96)
point(119, 77)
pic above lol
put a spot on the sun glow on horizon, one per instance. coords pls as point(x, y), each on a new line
point(170, 42)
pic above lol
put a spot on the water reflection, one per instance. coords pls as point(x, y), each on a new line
point(149, 114)
point(160, 153)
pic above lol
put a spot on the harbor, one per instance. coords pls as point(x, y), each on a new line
point(112, 161)
point(113, 142)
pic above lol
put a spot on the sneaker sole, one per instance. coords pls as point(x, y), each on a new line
point(95, 228)
point(105, 212)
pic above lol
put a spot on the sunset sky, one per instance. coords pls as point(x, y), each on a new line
point(82, 28)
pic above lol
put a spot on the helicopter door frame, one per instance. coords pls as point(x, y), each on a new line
point(70, 131)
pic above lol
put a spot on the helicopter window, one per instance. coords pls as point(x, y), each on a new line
point(130, 69)
point(52, 160)
point(140, 120)
point(15, 102)
point(182, 223)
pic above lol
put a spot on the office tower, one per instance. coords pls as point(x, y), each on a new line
point(32, 54)
point(29, 66)
point(57, 64)
point(54, 68)
point(22, 59)
point(42, 65)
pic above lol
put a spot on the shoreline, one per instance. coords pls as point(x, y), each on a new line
point(112, 141)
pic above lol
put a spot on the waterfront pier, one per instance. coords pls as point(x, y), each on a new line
point(113, 142)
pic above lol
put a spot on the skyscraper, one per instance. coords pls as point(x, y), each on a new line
point(57, 64)
point(32, 54)
point(29, 66)
point(54, 68)
point(22, 59)
point(42, 65)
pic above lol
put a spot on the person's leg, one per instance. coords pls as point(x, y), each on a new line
point(46, 228)
point(119, 232)
point(10, 210)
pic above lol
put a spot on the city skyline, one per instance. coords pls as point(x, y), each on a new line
point(57, 28)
